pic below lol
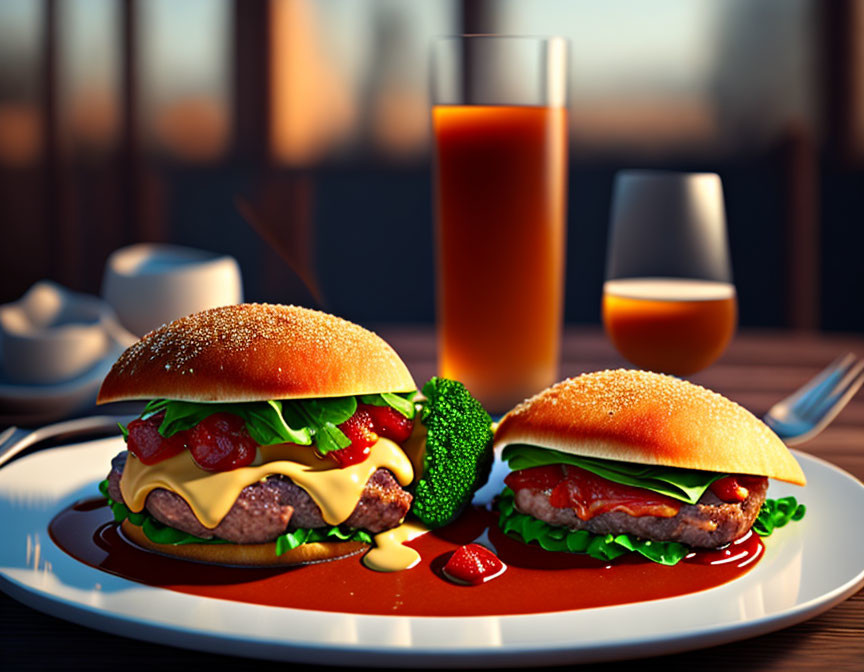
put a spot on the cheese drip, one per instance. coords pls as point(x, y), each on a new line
point(211, 495)
point(390, 554)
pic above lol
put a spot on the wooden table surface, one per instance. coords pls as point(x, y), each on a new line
point(758, 369)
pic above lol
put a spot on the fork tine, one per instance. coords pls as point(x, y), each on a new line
point(821, 385)
point(840, 394)
point(9, 431)
point(830, 413)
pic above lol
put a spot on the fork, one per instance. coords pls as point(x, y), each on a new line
point(802, 415)
point(14, 441)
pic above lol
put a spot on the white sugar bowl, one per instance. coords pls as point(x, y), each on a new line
point(51, 335)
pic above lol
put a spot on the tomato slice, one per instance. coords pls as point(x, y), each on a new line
point(359, 428)
point(148, 445)
point(365, 427)
point(589, 495)
point(535, 478)
point(388, 422)
point(735, 488)
point(221, 442)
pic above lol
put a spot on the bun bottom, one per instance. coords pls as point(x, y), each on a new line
point(245, 555)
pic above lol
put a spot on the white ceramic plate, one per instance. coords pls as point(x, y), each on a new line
point(40, 404)
point(808, 567)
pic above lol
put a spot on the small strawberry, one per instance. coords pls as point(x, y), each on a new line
point(472, 565)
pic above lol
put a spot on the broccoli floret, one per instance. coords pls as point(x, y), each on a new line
point(458, 453)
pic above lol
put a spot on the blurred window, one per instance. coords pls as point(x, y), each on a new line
point(350, 77)
point(185, 53)
point(20, 96)
point(855, 82)
point(709, 75)
point(89, 73)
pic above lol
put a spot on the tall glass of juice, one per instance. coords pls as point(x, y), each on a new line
point(500, 123)
point(669, 304)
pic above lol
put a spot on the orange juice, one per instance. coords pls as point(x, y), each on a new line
point(501, 189)
point(671, 325)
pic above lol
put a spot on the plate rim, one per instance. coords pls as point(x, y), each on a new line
point(513, 653)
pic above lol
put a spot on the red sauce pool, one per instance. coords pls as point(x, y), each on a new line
point(536, 581)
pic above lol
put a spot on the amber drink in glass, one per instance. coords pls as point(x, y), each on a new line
point(501, 153)
point(669, 304)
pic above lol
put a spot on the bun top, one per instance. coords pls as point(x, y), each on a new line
point(256, 352)
point(649, 418)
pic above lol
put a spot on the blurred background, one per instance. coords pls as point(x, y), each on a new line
point(295, 135)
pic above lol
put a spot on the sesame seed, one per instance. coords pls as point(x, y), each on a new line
point(616, 390)
point(241, 329)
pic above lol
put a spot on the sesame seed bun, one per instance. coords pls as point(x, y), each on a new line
point(246, 555)
point(256, 352)
point(649, 418)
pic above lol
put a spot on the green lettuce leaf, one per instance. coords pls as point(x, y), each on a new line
point(773, 514)
point(301, 421)
point(777, 513)
point(601, 547)
point(686, 485)
point(265, 420)
point(267, 424)
point(294, 538)
point(154, 407)
point(402, 402)
point(323, 416)
point(160, 533)
point(304, 422)
point(334, 410)
point(164, 534)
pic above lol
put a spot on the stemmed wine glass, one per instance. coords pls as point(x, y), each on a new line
point(669, 304)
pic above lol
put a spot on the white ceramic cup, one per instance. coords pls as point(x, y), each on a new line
point(150, 285)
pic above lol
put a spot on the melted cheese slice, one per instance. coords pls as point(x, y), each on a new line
point(211, 495)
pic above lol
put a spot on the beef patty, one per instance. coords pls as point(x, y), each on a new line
point(267, 509)
point(710, 523)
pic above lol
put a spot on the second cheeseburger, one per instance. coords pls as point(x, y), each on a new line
point(618, 461)
point(279, 435)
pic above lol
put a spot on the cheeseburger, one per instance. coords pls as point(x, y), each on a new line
point(619, 461)
point(279, 435)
